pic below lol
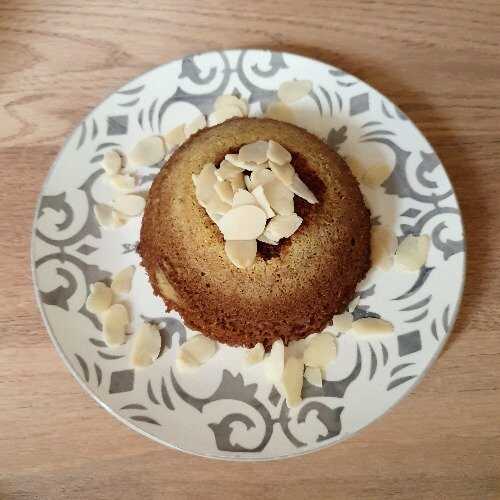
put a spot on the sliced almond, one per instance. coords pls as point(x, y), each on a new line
point(124, 183)
point(103, 215)
point(185, 362)
point(224, 190)
point(122, 281)
point(280, 111)
point(313, 375)
point(225, 113)
point(285, 173)
point(118, 219)
point(240, 163)
point(147, 151)
point(205, 184)
point(114, 323)
point(255, 354)
point(356, 168)
point(215, 217)
point(199, 348)
point(194, 178)
point(243, 197)
point(342, 322)
point(262, 200)
point(216, 206)
point(227, 171)
point(296, 348)
point(294, 90)
point(300, 189)
point(292, 381)
point(261, 177)
point(282, 226)
point(255, 152)
point(375, 175)
point(243, 223)
point(383, 246)
point(175, 137)
point(353, 304)
point(412, 252)
point(224, 101)
point(275, 362)
point(321, 351)
point(264, 239)
point(111, 162)
point(280, 198)
point(277, 153)
point(248, 183)
point(129, 204)
point(372, 326)
point(241, 253)
point(146, 345)
point(197, 124)
point(237, 182)
point(100, 298)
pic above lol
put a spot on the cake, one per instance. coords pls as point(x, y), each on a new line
point(294, 288)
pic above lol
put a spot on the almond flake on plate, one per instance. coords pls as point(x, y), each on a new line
point(300, 189)
point(146, 346)
point(226, 113)
point(197, 124)
point(275, 362)
point(282, 226)
point(120, 182)
point(280, 111)
point(184, 361)
point(231, 100)
point(292, 381)
point(285, 173)
point(129, 204)
point(243, 197)
point(100, 298)
point(255, 354)
point(205, 182)
point(241, 253)
point(238, 162)
point(342, 322)
point(112, 162)
point(103, 215)
point(374, 176)
point(412, 252)
point(280, 198)
point(147, 152)
point(248, 183)
point(261, 198)
point(321, 351)
point(294, 90)
point(224, 191)
point(227, 170)
point(354, 303)
point(122, 281)
point(243, 223)
point(114, 322)
point(277, 153)
point(372, 326)
point(175, 137)
point(383, 246)
point(199, 349)
point(313, 375)
point(118, 219)
point(255, 152)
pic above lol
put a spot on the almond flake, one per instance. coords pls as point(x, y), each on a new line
point(261, 177)
point(300, 189)
point(224, 101)
point(118, 219)
point(241, 253)
point(294, 90)
point(260, 196)
point(342, 322)
point(226, 113)
point(216, 206)
point(175, 137)
point(197, 124)
point(313, 375)
point(184, 361)
point(122, 281)
point(374, 176)
point(383, 246)
point(244, 165)
point(356, 168)
point(255, 354)
point(275, 362)
point(255, 152)
point(282, 226)
point(146, 346)
point(243, 197)
point(227, 170)
point(372, 326)
point(264, 239)
point(129, 204)
point(194, 178)
point(237, 182)
point(280, 111)
point(292, 381)
point(280, 198)
point(412, 252)
point(248, 183)
point(277, 153)
point(147, 152)
point(100, 298)
point(285, 173)
point(103, 215)
point(114, 323)
point(321, 351)
point(205, 184)
point(199, 348)
point(354, 303)
point(124, 183)
point(215, 217)
point(243, 223)
point(224, 190)
point(112, 162)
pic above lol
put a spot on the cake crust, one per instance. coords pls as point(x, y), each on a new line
point(290, 291)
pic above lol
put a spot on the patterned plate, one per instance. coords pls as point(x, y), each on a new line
point(225, 410)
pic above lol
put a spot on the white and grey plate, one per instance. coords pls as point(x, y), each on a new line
point(226, 410)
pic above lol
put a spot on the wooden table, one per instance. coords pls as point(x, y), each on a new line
point(438, 60)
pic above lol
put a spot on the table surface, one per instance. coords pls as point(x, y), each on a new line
point(438, 60)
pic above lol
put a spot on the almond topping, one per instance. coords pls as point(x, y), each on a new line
point(277, 153)
point(114, 322)
point(227, 170)
point(260, 196)
point(197, 349)
point(285, 173)
point(243, 197)
point(231, 100)
point(292, 380)
point(124, 183)
point(313, 375)
point(294, 90)
point(342, 322)
point(282, 226)
point(147, 151)
point(224, 190)
point(321, 351)
point(103, 215)
point(275, 362)
point(100, 298)
point(256, 152)
point(225, 113)
point(300, 189)
point(383, 245)
point(280, 198)
point(243, 223)
point(111, 162)
point(261, 177)
point(129, 204)
point(122, 281)
point(372, 326)
point(241, 253)
point(240, 163)
point(205, 184)
point(255, 354)
point(412, 252)
point(237, 182)
point(146, 345)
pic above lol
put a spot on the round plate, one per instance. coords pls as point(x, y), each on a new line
point(225, 410)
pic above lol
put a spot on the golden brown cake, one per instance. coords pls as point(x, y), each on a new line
point(293, 289)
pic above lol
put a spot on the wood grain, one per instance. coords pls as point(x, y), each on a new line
point(438, 60)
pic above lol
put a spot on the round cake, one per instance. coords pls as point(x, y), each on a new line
point(294, 288)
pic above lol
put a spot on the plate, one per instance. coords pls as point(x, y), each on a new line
point(226, 410)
